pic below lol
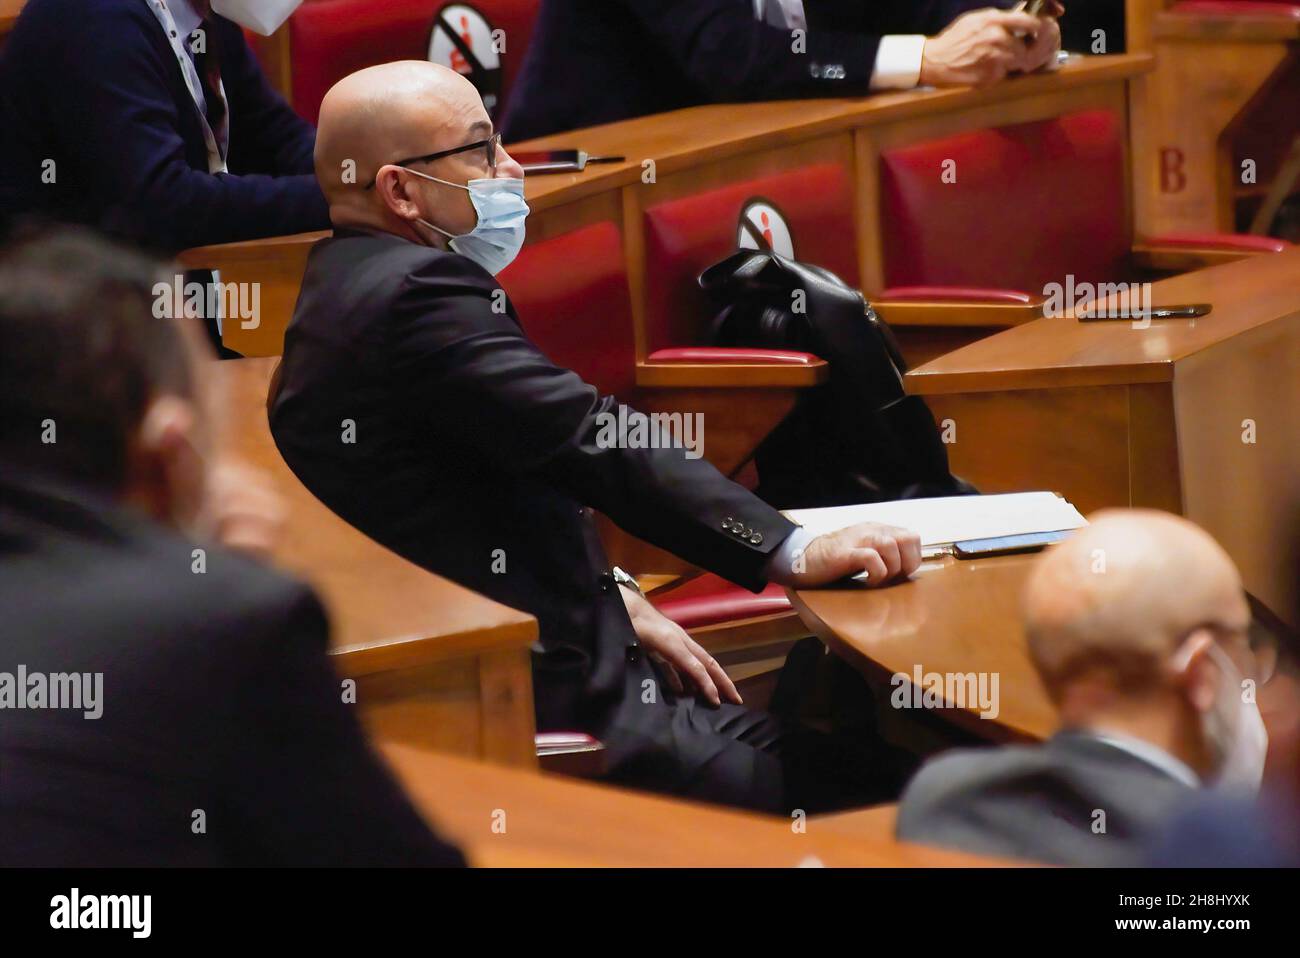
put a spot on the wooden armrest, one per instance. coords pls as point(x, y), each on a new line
point(1184, 252)
point(951, 307)
point(714, 375)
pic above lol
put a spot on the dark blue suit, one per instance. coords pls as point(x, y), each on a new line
point(596, 61)
point(94, 86)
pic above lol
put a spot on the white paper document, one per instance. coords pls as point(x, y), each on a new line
point(953, 518)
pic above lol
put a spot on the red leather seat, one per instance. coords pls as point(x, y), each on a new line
point(710, 600)
point(572, 297)
point(1023, 206)
point(328, 39)
point(813, 205)
point(1030, 203)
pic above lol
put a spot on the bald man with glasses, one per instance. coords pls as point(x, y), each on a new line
point(474, 456)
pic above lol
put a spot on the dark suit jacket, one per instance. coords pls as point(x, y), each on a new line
point(1038, 802)
point(596, 61)
point(217, 696)
point(94, 86)
point(477, 457)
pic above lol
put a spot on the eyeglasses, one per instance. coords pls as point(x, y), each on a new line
point(488, 146)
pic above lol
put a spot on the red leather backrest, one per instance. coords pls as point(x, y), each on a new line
point(572, 298)
point(328, 39)
point(1028, 204)
point(686, 235)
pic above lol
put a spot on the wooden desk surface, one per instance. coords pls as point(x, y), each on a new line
point(952, 617)
point(386, 613)
point(1060, 351)
point(555, 821)
point(686, 138)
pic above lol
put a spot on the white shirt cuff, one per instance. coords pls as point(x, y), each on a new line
point(898, 61)
point(780, 564)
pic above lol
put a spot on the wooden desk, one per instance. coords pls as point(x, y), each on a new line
point(552, 821)
point(688, 151)
point(436, 665)
point(1110, 415)
point(952, 617)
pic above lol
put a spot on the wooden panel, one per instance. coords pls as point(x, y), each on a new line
point(1072, 441)
point(1183, 165)
point(506, 700)
point(951, 617)
point(1238, 414)
point(560, 218)
point(1154, 478)
point(500, 817)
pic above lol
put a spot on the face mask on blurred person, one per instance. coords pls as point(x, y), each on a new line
point(260, 16)
point(502, 212)
point(1235, 731)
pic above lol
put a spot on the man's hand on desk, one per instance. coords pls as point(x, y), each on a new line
point(983, 46)
point(885, 553)
point(680, 655)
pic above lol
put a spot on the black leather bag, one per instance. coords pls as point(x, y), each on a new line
point(859, 437)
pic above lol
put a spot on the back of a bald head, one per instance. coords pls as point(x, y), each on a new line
point(1121, 593)
point(386, 113)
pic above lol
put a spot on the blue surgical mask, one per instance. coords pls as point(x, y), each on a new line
point(499, 235)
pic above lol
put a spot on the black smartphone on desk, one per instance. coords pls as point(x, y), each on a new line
point(559, 161)
point(1189, 311)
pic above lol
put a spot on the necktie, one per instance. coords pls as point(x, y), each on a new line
point(208, 64)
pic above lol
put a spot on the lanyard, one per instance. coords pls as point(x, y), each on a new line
point(216, 157)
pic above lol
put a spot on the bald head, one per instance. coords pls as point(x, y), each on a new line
point(387, 114)
point(1120, 594)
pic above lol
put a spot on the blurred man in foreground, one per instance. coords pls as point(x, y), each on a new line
point(597, 61)
point(1138, 626)
point(473, 455)
point(163, 700)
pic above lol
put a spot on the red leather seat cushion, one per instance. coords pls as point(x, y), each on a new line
point(572, 298)
point(710, 600)
point(328, 39)
point(1031, 203)
point(956, 294)
point(1246, 242)
point(684, 236)
point(731, 354)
